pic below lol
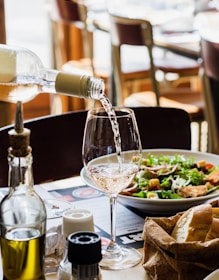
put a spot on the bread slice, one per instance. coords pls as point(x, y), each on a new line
point(214, 230)
point(194, 224)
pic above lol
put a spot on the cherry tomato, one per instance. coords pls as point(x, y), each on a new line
point(209, 165)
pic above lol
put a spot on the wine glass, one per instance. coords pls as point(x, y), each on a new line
point(111, 155)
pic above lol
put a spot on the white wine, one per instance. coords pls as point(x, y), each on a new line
point(22, 250)
point(112, 178)
point(11, 92)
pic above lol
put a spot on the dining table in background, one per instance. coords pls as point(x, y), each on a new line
point(172, 34)
point(183, 43)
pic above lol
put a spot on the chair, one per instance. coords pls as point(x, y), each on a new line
point(63, 14)
point(210, 84)
point(72, 39)
point(138, 32)
point(57, 140)
point(161, 127)
point(125, 31)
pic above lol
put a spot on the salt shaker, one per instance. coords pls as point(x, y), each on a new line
point(84, 253)
point(73, 220)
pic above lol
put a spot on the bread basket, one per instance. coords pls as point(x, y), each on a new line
point(165, 258)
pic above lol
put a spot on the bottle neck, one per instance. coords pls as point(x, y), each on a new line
point(82, 86)
point(20, 171)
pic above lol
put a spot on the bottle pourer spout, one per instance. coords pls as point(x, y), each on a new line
point(19, 137)
point(19, 126)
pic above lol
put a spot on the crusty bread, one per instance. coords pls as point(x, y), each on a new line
point(214, 230)
point(215, 212)
point(194, 224)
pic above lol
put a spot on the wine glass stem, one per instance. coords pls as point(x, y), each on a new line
point(113, 202)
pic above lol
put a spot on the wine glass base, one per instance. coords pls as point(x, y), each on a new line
point(127, 257)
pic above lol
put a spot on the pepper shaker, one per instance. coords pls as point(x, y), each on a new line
point(73, 220)
point(84, 253)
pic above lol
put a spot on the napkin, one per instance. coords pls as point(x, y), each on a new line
point(164, 258)
point(55, 241)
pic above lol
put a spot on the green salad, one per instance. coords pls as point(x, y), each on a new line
point(173, 177)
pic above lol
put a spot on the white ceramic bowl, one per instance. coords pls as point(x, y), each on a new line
point(164, 206)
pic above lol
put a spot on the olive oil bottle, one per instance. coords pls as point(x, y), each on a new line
point(22, 212)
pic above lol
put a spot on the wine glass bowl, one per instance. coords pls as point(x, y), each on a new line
point(111, 155)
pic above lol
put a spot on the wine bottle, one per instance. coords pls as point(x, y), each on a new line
point(23, 77)
point(22, 212)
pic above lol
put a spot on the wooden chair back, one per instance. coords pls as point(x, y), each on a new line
point(70, 14)
point(162, 127)
point(210, 85)
point(134, 32)
point(72, 40)
point(56, 141)
point(66, 11)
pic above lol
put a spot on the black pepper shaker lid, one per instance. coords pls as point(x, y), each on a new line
point(84, 248)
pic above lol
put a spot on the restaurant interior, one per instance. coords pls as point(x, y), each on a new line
point(149, 53)
point(86, 40)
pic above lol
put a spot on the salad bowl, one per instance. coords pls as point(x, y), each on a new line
point(161, 207)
